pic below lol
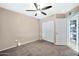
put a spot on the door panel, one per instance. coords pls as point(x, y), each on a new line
point(48, 31)
point(60, 31)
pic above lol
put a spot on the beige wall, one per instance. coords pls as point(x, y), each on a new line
point(15, 26)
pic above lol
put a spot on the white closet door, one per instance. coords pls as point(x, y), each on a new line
point(60, 31)
point(48, 31)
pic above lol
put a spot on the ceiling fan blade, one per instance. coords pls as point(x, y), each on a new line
point(35, 4)
point(30, 10)
point(36, 14)
point(46, 7)
point(44, 13)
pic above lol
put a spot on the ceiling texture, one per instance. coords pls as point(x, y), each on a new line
point(57, 8)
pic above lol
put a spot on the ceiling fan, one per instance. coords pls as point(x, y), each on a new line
point(40, 9)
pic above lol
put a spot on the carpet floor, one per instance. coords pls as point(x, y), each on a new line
point(39, 48)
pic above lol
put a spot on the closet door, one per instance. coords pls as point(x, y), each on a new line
point(48, 31)
point(60, 31)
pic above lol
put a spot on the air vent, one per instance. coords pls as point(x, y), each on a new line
point(60, 15)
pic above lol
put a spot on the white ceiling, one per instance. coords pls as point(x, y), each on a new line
point(56, 9)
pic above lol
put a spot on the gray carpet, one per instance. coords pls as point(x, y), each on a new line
point(39, 48)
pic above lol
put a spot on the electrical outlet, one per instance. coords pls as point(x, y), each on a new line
point(19, 44)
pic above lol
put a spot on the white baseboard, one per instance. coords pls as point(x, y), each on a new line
point(27, 42)
point(7, 48)
point(75, 49)
point(16, 45)
point(59, 44)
